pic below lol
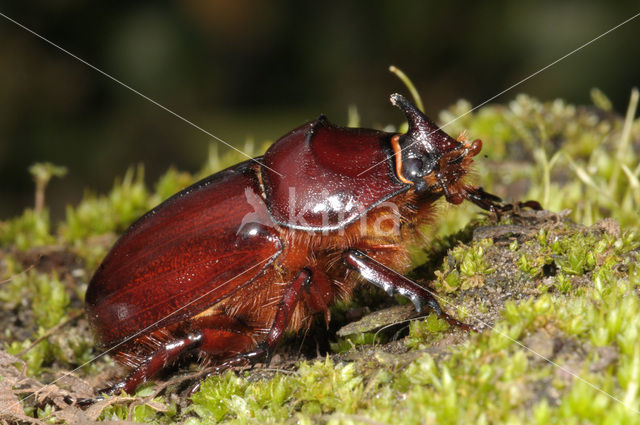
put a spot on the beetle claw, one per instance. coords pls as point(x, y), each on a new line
point(250, 358)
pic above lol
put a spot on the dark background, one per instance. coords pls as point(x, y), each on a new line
point(249, 68)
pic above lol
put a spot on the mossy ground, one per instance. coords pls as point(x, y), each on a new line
point(554, 297)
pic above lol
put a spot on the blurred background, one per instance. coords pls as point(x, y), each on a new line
point(253, 69)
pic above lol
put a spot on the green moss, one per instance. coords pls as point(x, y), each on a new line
point(97, 215)
point(464, 268)
point(35, 357)
point(29, 230)
point(531, 266)
point(425, 332)
point(318, 388)
point(49, 302)
point(345, 344)
point(171, 183)
point(563, 283)
point(577, 254)
point(157, 411)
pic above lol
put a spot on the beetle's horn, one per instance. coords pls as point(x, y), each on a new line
point(422, 131)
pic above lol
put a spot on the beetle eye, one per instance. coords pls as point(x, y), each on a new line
point(412, 168)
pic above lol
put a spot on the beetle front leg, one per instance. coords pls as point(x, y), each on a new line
point(489, 202)
point(393, 282)
point(484, 200)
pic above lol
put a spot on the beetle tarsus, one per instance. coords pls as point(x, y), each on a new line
point(249, 358)
point(484, 200)
point(493, 203)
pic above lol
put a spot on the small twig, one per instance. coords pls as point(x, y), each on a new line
point(17, 418)
point(72, 316)
point(2, 282)
point(180, 379)
point(276, 370)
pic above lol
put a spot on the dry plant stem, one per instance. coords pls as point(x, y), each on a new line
point(2, 282)
point(352, 418)
point(72, 316)
point(195, 376)
point(14, 419)
point(39, 201)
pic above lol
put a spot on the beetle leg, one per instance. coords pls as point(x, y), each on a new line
point(286, 307)
point(214, 340)
point(393, 282)
point(283, 315)
point(155, 362)
point(484, 200)
point(489, 202)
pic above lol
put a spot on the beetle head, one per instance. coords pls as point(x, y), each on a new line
point(429, 158)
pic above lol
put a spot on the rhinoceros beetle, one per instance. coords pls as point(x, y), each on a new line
point(223, 268)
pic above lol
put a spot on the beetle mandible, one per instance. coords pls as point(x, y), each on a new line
point(226, 266)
